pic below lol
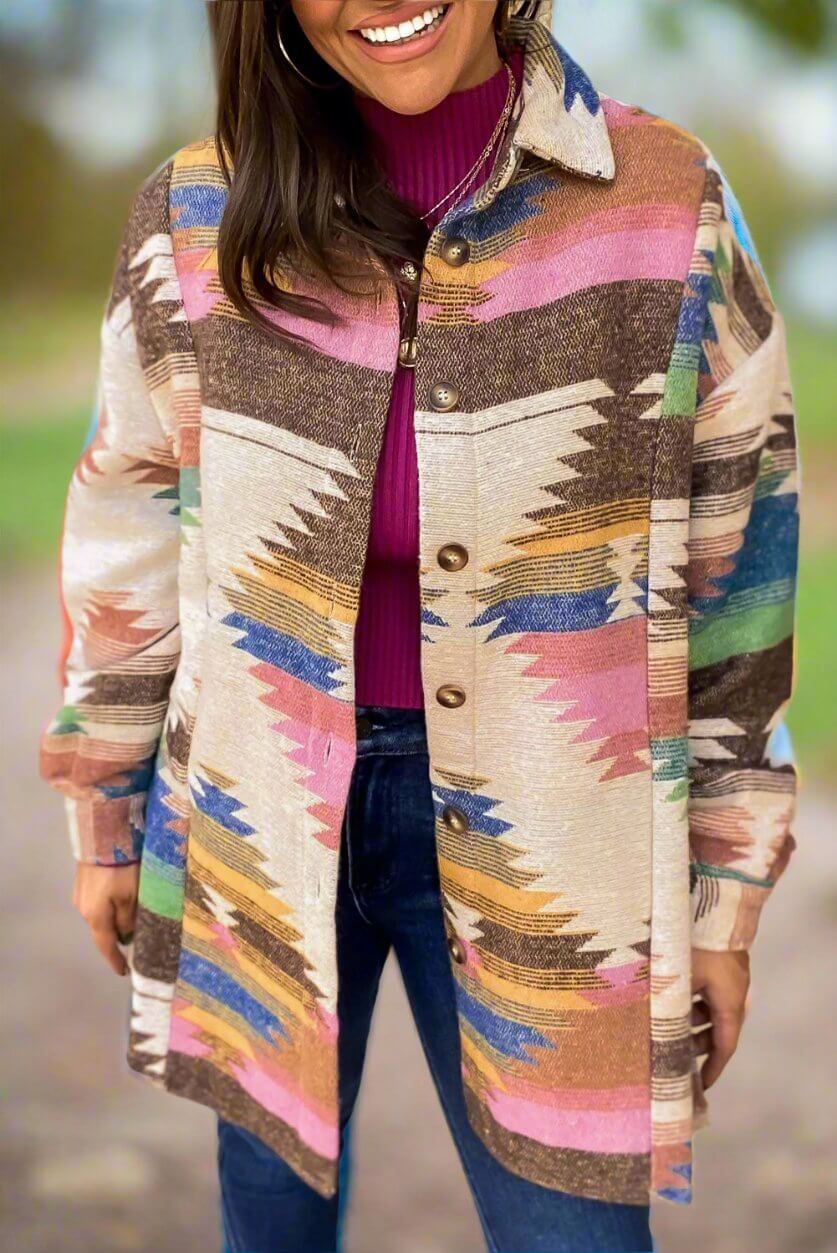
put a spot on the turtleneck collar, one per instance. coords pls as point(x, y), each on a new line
point(425, 154)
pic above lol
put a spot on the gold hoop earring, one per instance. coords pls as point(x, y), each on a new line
point(294, 67)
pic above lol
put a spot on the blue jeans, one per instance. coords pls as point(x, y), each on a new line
point(388, 897)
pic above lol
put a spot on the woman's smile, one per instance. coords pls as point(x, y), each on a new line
point(408, 54)
point(404, 33)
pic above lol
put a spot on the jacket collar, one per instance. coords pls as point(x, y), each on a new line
point(558, 115)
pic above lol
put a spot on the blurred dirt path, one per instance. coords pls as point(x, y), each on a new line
point(92, 1160)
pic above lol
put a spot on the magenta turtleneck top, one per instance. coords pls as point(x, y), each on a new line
point(424, 156)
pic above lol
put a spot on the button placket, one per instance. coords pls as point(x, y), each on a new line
point(450, 682)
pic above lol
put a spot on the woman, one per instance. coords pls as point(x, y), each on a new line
point(429, 584)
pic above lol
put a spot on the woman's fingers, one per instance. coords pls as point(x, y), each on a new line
point(106, 898)
point(103, 929)
point(721, 981)
point(702, 1042)
point(700, 1014)
point(701, 1027)
point(125, 911)
point(726, 1029)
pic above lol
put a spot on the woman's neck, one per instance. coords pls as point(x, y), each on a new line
point(425, 154)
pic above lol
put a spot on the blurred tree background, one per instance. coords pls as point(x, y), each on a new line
point(95, 93)
point(803, 23)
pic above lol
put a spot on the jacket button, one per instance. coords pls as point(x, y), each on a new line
point(454, 819)
point(443, 397)
point(450, 696)
point(456, 250)
point(409, 271)
point(456, 950)
point(452, 557)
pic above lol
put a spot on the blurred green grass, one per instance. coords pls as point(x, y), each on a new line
point(31, 342)
point(35, 472)
point(44, 429)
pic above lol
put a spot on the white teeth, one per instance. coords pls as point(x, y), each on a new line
point(414, 29)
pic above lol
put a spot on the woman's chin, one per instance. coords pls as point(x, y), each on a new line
point(411, 99)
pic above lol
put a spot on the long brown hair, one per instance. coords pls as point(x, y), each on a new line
point(304, 189)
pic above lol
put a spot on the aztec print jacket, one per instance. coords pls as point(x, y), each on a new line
point(604, 421)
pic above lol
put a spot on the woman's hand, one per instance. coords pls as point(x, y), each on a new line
point(722, 981)
point(106, 898)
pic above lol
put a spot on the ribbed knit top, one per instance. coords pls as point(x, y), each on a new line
point(424, 155)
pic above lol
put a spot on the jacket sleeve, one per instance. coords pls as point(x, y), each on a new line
point(742, 562)
point(118, 564)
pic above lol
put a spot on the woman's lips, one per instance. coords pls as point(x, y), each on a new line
point(393, 52)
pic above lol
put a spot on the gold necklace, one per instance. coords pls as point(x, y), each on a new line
point(495, 135)
point(408, 310)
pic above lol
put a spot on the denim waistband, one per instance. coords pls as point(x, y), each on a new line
point(385, 729)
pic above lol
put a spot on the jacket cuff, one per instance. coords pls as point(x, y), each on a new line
point(106, 831)
point(725, 910)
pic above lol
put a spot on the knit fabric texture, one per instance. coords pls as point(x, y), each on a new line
point(604, 422)
point(424, 156)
